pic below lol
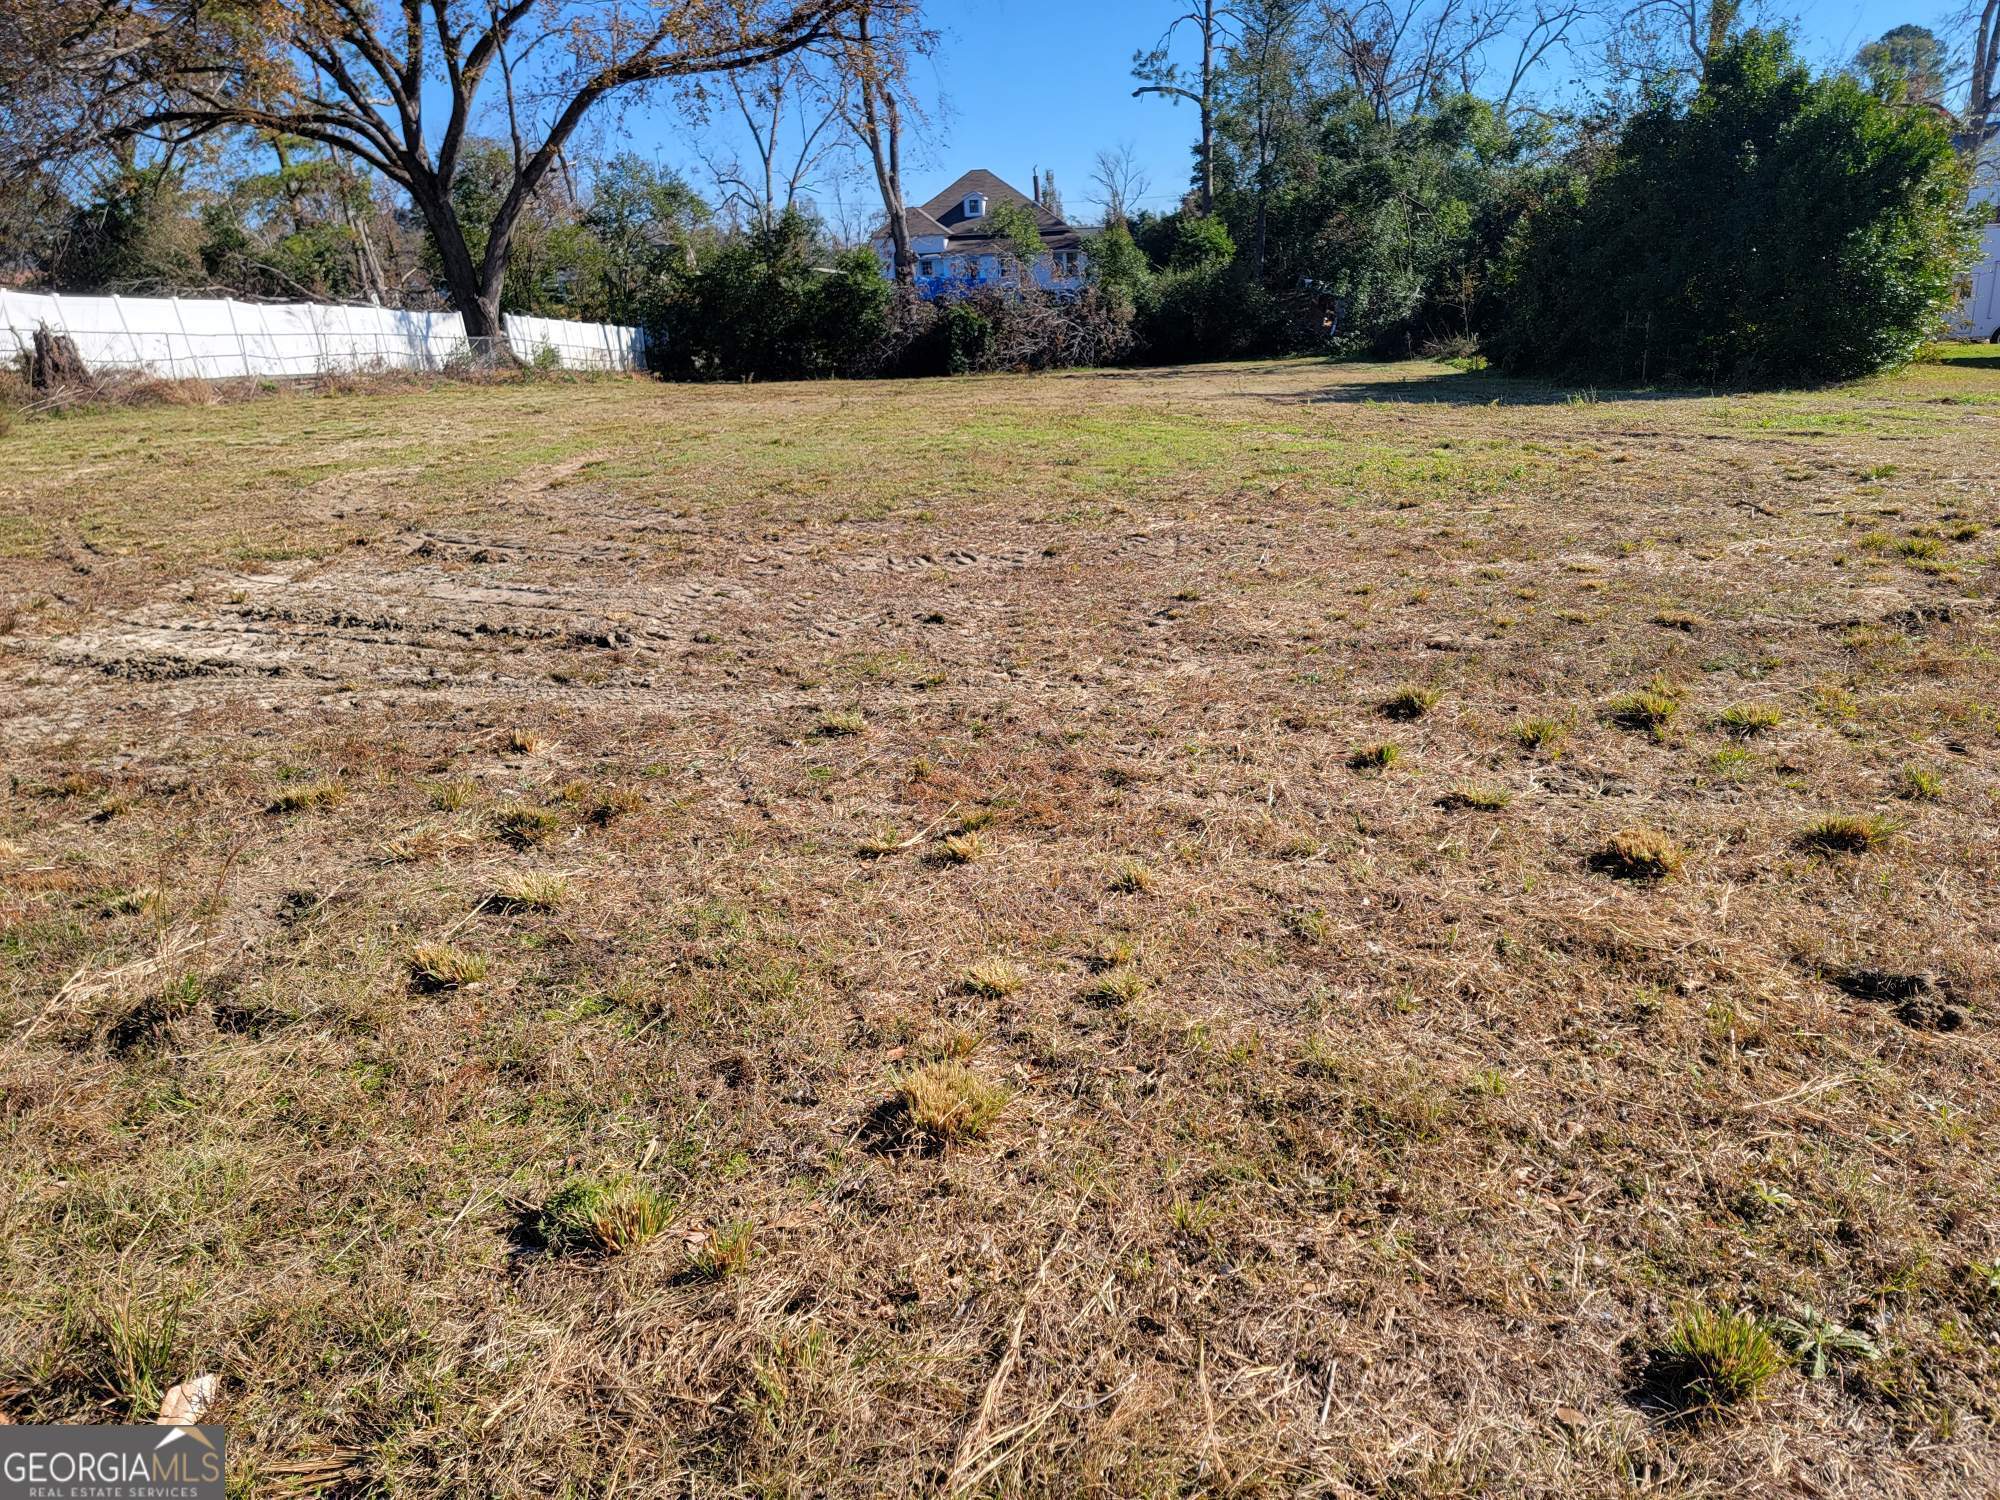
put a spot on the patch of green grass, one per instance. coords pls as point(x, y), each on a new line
point(524, 826)
point(1714, 1361)
point(1116, 987)
point(330, 791)
point(1410, 701)
point(1748, 719)
point(590, 1217)
point(1920, 784)
point(840, 725)
point(947, 1103)
point(532, 890)
point(1847, 833)
point(725, 1251)
point(1132, 876)
point(1652, 709)
point(993, 978)
point(1540, 734)
point(439, 966)
point(1476, 797)
point(1640, 853)
point(1375, 757)
point(454, 796)
point(1730, 760)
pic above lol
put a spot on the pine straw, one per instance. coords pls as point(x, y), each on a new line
point(1391, 1173)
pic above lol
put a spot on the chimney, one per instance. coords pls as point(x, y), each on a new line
point(1037, 180)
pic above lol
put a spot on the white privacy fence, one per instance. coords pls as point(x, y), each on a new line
point(220, 338)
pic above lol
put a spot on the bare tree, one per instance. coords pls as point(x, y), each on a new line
point(1677, 37)
point(1548, 26)
point(1982, 94)
point(792, 118)
point(363, 78)
point(872, 51)
point(1158, 73)
point(1399, 55)
point(1121, 182)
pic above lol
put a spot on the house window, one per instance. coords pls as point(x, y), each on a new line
point(928, 266)
point(975, 205)
point(1067, 263)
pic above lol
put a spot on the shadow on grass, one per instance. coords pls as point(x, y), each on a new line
point(1471, 388)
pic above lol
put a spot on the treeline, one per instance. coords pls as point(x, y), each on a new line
point(1761, 224)
point(1743, 221)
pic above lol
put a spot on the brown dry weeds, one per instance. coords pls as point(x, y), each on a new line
point(1374, 1142)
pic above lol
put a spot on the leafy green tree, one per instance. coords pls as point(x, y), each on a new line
point(1015, 227)
point(1118, 265)
point(139, 234)
point(1905, 65)
point(1200, 244)
point(1779, 228)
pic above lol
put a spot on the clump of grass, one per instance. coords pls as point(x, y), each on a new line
point(532, 890)
point(1540, 734)
point(964, 848)
point(994, 978)
point(1116, 987)
point(527, 742)
point(1476, 797)
point(526, 826)
point(587, 1217)
point(439, 966)
point(1651, 709)
point(1846, 833)
point(1640, 853)
point(1131, 875)
point(1920, 784)
point(1410, 701)
point(1713, 1361)
point(840, 725)
point(1730, 760)
point(1110, 951)
point(329, 791)
point(455, 796)
point(946, 1103)
point(1747, 719)
point(725, 1252)
point(615, 804)
point(1679, 619)
point(144, 899)
point(1375, 757)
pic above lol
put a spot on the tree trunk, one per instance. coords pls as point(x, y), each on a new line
point(474, 290)
point(1208, 108)
point(1985, 64)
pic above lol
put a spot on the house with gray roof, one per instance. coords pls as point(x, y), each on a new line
point(957, 249)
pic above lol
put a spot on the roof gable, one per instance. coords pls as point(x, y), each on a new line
point(948, 209)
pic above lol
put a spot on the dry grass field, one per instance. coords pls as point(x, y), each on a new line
point(1276, 929)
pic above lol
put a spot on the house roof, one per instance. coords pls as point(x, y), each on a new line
point(945, 215)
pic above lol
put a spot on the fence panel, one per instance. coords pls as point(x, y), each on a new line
point(577, 346)
point(221, 338)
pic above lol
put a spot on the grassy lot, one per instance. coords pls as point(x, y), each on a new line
point(1270, 929)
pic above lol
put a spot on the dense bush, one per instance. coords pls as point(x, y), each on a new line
point(766, 307)
point(1212, 311)
point(1776, 228)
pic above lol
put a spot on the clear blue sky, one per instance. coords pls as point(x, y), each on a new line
point(1047, 83)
